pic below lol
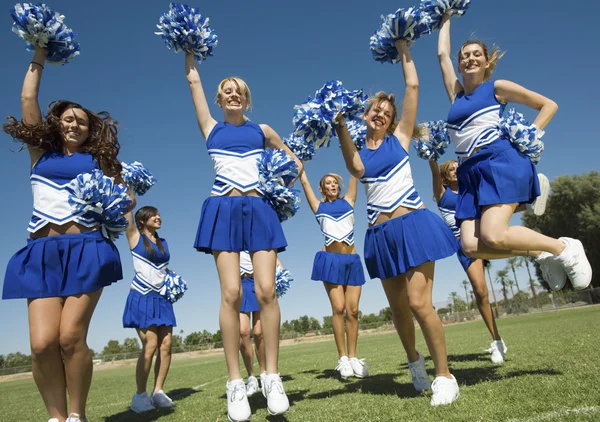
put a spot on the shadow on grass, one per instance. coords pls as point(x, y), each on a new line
point(383, 384)
point(181, 393)
point(472, 376)
point(153, 415)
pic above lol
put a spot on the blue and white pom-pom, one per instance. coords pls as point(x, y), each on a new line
point(358, 132)
point(183, 28)
point(283, 278)
point(407, 24)
point(526, 137)
point(436, 9)
point(175, 286)
point(311, 123)
point(97, 197)
point(276, 170)
point(39, 26)
point(303, 150)
point(138, 177)
point(436, 143)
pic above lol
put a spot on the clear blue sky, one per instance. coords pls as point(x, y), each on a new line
point(285, 51)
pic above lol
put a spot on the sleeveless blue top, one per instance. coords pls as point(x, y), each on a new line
point(447, 207)
point(150, 269)
point(234, 151)
point(50, 178)
point(337, 221)
point(388, 179)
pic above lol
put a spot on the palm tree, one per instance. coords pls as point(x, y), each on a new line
point(525, 260)
point(465, 283)
point(473, 303)
point(515, 262)
point(510, 283)
point(488, 265)
point(501, 277)
point(453, 296)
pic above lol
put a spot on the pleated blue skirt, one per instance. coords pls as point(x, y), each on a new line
point(496, 174)
point(144, 310)
point(249, 301)
point(337, 268)
point(239, 223)
point(394, 247)
point(62, 265)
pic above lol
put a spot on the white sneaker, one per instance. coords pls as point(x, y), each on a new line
point(251, 386)
point(575, 263)
point(420, 379)
point(503, 344)
point(358, 367)
point(277, 401)
point(538, 207)
point(263, 382)
point(140, 403)
point(445, 391)
point(344, 367)
point(238, 408)
point(73, 417)
point(552, 270)
point(160, 399)
point(53, 420)
point(498, 351)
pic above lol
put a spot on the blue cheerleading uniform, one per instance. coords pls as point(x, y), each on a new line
point(336, 219)
point(399, 244)
point(237, 223)
point(146, 303)
point(249, 301)
point(491, 170)
point(67, 264)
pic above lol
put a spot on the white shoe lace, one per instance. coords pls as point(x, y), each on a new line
point(238, 392)
point(417, 373)
point(363, 362)
point(275, 384)
point(343, 364)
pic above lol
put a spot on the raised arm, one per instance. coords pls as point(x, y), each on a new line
point(205, 120)
point(353, 162)
point(410, 104)
point(274, 141)
point(510, 92)
point(438, 186)
point(309, 193)
point(350, 196)
point(30, 107)
point(133, 235)
point(451, 82)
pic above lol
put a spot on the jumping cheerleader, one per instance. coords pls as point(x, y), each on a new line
point(493, 176)
point(404, 239)
point(338, 266)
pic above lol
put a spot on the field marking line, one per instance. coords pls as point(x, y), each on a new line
point(557, 414)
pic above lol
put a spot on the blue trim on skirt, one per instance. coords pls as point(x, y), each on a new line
point(145, 310)
point(62, 265)
point(239, 223)
point(249, 301)
point(337, 268)
point(394, 247)
point(496, 174)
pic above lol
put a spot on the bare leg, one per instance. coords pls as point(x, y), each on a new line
point(246, 343)
point(149, 338)
point(352, 295)
point(258, 342)
point(338, 305)
point(163, 359)
point(477, 278)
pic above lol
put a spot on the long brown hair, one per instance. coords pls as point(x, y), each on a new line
point(141, 217)
point(102, 142)
point(492, 57)
point(444, 169)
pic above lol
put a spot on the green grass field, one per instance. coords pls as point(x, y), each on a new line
point(552, 373)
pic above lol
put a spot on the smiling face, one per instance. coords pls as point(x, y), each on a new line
point(472, 60)
point(380, 116)
point(75, 127)
point(154, 222)
point(233, 95)
point(330, 187)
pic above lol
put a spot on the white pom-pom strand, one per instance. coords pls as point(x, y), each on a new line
point(436, 9)
point(283, 278)
point(524, 136)
point(276, 170)
point(174, 287)
point(138, 177)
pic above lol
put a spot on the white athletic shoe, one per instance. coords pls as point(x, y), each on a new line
point(344, 367)
point(141, 403)
point(575, 263)
point(420, 379)
point(552, 270)
point(538, 207)
point(358, 367)
point(498, 351)
point(238, 408)
point(277, 401)
point(251, 386)
point(160, 399)
point(73, 417)
point(445, 391)
point(263, 381)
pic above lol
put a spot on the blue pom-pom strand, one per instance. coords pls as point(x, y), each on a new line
point(301, 149)
point(436, 9)
point(138, 177)
point(276, 170)
point(97, 197)
point(436, 142)
point(39, 26)
point(183, 28)
point(358, 132)
point(283, 278)
point(524, 136)
point(174, 287)
point(407, 24)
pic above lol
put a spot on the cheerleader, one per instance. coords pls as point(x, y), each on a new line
point(236, 217)
point(338, 266)
point(404, 239)
point(493, 176)
point(67, 261)
point(147, 308)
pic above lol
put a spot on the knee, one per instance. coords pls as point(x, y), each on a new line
point(165, 344)
point(265, 295)
point(43, 347)
point(245, 333)
point(338, 309)
point(494, 239)
point(420, 306)
point(71, 341)
point(231, 295)
point(149, 346)
point(257, 333)
point(352, 312)
point(481, 293)
point(468, 246)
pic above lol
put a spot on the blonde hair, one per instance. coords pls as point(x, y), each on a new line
point(380, 97)
point(240, 84)
point(445, 169)
point(492, 57)
point(339, 181)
